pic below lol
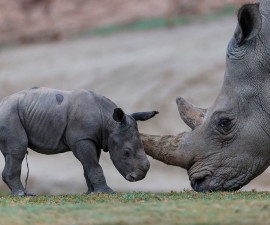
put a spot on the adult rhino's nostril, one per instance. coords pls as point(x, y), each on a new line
point(197, 183)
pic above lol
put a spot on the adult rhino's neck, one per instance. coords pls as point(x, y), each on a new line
point(108, 124)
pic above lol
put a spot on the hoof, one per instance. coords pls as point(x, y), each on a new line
point(105, 190)
point(30, 194)
point(18, 193)
point(22, 193)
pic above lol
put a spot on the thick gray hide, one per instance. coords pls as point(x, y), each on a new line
point(52, 121)
point(229, 144)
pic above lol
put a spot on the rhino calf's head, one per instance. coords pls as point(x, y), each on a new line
point(125, 146)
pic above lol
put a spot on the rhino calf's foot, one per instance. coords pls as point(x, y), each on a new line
point(18, 193)
point(22, 193)
point(106, 190)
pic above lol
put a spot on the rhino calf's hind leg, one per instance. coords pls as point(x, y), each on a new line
point(85, 151)
point(11, 174)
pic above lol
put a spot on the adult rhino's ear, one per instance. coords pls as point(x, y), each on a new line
point(119, 115)
point(249, 23)
point(142, 116)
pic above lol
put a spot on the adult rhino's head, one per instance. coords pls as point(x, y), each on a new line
point(125, 146)
point(229, 144)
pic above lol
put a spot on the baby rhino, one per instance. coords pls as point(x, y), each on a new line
point(51, 121)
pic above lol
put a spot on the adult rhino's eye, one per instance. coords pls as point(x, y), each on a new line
point(224, 123)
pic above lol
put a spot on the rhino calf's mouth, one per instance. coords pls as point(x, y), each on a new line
point(136, 176)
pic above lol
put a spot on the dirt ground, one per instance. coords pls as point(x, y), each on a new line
point(141, 70)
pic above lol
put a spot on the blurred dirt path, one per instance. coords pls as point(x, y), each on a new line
point(142, 70)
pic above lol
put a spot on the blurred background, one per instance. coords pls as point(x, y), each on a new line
point(141, 54)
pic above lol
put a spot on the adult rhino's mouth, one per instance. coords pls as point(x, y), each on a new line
point(212, 183)
point(206, 184)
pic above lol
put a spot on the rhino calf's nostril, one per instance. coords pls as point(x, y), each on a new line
point(131, 177)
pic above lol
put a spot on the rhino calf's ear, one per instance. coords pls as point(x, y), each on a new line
point(249, 23)
point(142, 116)
point(119, 115)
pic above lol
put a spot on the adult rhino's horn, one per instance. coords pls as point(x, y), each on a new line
point(168, 149)
point(190, 114)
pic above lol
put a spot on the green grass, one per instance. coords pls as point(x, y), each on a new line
point(139, 208)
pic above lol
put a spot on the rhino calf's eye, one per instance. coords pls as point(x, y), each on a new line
point(126, 153)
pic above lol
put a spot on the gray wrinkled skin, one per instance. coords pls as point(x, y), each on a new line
point(231, 145)
point(51, 121)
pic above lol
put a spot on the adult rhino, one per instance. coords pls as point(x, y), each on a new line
point(52, 121)
point(229, 144)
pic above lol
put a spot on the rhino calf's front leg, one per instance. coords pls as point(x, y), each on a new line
point(88, 182)
point(85, 151)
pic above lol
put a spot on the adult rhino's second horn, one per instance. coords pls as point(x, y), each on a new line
point(190, 114)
